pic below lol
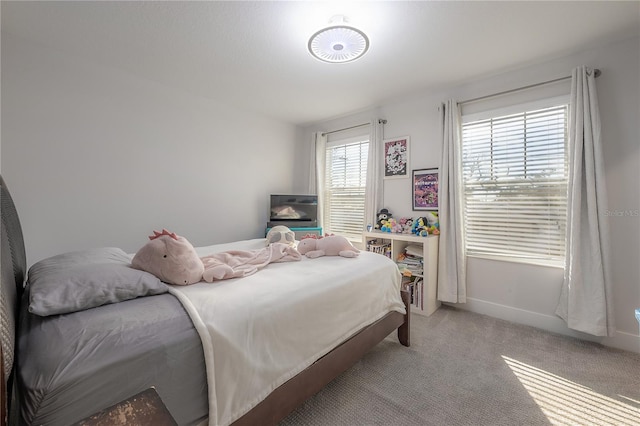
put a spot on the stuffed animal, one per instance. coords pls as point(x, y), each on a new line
point(315, 236)
point(405, 225)
point(390, 225)
point(171, 258)
point(310, 235)
point(333, 245)
point(387, 224)
point(420, 227)
point(383, 215)
point(281, 234)
point(396, 227)
point(432, 219)
point(434, 223)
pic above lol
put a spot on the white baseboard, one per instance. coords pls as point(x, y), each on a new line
point(621, 340)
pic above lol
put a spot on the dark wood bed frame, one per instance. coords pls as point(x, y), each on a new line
point(270, 411)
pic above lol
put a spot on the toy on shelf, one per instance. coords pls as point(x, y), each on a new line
point(389, 225)
point(406, 223)
point(383, 215)
point(420, 227)
point(434, 223)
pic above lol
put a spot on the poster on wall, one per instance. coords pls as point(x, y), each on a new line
point(396, 157)
point(424, 185)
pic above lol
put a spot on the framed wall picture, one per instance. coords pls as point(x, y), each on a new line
point(424, 189)
point(396, 157)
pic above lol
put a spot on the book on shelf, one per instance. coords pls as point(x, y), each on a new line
point(418, 286)
point(411, 272)
point(410, 263)
point(415, 287)
point(380, 247)
point(414, 250)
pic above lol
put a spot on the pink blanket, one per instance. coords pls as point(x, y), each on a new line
point(240, 263)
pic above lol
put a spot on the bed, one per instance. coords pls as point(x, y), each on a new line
point(65, 366)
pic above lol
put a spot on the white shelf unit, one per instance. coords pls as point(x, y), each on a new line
point(398, 243)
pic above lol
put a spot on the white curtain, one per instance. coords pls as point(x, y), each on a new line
point(373, 191)
point(452, 263)
point(586, 300)
point(316, 171)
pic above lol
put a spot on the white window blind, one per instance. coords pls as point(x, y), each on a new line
point(515, 172)
point(345, 182)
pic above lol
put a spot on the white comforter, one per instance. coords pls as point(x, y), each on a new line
point(259, 331)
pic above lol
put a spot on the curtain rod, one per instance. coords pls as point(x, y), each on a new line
point(531, 86)
point(381, 121)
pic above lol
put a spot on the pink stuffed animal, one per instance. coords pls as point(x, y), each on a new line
point(333, 245)
point(171, 258)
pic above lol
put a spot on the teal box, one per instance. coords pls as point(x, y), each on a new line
point(300, 232)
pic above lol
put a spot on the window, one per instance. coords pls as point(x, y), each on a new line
point(344, 191)
point(515, 173)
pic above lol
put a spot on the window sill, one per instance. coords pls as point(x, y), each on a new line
point(536, 262)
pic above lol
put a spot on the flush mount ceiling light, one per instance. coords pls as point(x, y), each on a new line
point(339, 42)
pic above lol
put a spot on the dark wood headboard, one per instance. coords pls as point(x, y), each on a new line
point(12, 275)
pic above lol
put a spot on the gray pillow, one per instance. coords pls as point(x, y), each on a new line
point(85, 279)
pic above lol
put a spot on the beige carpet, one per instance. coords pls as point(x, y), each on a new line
point(468, 369)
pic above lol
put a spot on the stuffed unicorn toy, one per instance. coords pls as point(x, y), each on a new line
point(171, 258)
point(332, 245)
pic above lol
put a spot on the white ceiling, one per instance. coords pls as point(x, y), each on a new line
point(254, 54)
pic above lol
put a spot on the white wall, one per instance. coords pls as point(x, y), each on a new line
point(97, 157)
point(526, 293)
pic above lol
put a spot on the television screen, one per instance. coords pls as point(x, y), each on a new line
point(296, 208)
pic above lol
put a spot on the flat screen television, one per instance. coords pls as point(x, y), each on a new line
point(297, 211)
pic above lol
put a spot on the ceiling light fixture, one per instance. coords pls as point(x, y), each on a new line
point(339, 42)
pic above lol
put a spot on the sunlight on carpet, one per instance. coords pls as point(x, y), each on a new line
point(568, 403)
